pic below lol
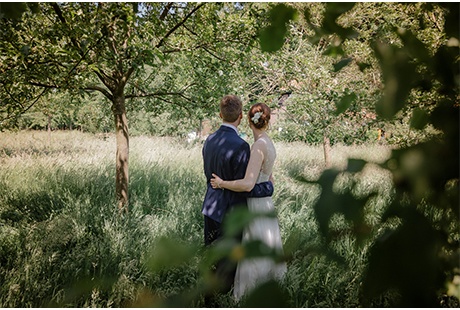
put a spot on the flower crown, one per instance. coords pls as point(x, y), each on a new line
point(256, 117)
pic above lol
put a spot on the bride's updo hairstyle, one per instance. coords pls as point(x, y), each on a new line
point(259, 115)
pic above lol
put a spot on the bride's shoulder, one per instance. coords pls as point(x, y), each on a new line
point(262, 143)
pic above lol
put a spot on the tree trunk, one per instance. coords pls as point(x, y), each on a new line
point(49, 129)
point(327, 151)
point(122, 136)
point(49, 123)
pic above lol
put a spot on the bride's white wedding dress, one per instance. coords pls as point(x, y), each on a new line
point(252, 272)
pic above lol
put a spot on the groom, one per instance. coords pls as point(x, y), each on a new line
point(227, 155)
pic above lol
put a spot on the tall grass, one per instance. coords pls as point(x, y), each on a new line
point(62, 242)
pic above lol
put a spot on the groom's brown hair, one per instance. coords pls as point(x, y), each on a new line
point(231, 108)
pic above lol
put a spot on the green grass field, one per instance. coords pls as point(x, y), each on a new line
point(63, 243)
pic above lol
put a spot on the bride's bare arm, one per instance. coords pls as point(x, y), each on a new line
point(250, 178)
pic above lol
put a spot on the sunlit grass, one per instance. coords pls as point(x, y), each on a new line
point(63, 241)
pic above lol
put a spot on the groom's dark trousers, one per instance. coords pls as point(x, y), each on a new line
point(227, 155)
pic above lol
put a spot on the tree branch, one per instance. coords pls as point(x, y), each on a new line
point(157, 94)
point(212, 54)
point(176, 104)
point(82, 58)
point(47, 86)
point(171, 31)
point(61, 17)
point(191, 31)
point(104, 91)
point(104, 79)
point(166, 10)
point(127, 75)
point(28, 107)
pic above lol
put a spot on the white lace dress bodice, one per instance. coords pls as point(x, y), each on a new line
point(269, 160)
point(251, 272)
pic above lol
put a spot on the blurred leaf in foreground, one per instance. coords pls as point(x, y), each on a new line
point(268, 295)
point(272, 37)
point(170, 252)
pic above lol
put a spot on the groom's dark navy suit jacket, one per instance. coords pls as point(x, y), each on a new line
point(227, 155)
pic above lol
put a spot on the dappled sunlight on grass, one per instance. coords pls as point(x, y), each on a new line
point(58, 218)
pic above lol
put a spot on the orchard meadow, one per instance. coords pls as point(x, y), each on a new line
point(63, 242)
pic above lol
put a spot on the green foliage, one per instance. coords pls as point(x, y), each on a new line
point(330, 25)
point(164, 124)
point(91, 114)
point(330, 203)
point(63, 111)
point(272, 37)
point(417, 257)
point(174, 58)
point(334, 46)
point(336, 59)
point(320, 87)
point(278, 297)
point(186, 76)
point(309, 117)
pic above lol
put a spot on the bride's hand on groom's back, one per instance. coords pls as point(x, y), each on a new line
point(215, 181)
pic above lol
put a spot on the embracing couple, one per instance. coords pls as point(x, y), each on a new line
point(240, 176)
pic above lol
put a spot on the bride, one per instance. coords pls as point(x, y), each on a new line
point(254, 271)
